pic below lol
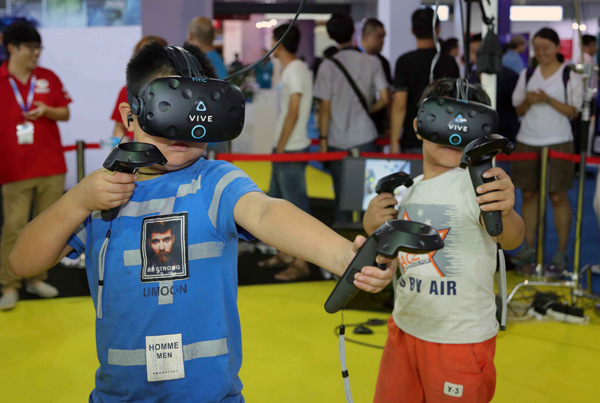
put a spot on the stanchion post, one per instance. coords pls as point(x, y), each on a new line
point(588, 70)
point(80, 160)
point(356, 216)
point(541, 221)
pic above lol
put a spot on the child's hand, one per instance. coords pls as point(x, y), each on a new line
point(103, 189)
point(502, 192)
point(371, 278)
point(381, 209)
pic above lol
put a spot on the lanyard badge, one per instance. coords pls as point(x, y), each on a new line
point(25, 133)
point(24, 130)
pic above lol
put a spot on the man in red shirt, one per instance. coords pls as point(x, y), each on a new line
point(32, 100)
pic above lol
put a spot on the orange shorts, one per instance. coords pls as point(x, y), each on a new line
point(413, 370)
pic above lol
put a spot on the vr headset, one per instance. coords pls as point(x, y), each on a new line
point(190, 107)
point(457, 122)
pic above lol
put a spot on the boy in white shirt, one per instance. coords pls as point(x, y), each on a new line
point(288, 179)
point(442, 333)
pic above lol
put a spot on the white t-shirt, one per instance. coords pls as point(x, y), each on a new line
point(447, 296)
point(349, 123)
point(543, 125)
point(295, 79)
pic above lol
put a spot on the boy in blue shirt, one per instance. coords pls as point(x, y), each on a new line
point(442, 332)
point(165, 283)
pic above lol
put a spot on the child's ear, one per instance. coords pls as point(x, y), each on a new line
point(415, 129)
point(125, 112)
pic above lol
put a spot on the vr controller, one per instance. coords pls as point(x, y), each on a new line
point(128, 157)
point(478, 156)
point(455, 122)
point(389, 239)
point(389, 183)
point(190, 109)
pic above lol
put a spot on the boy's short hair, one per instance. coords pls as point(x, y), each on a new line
point(515, 42)
point(340, 27)
point(202, 30)
point(587, 40)
point(150, 38)
point(421, 21)
point(476, 38)
point(446, 87)
point(20, 32)
point(291, 40)
point(449, 44)
point(152, 61)
point(370, 26)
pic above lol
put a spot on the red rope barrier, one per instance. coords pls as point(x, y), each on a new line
point(69, 148)
point(573, 157)
point(518, 157)
point(379, 142)
point(339, 155)
point(559, 155)
point(392, 156)
point(85, 146)
point(288, 157)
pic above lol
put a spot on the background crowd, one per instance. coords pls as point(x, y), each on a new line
point(354, 94)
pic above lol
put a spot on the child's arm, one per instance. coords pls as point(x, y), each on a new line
point(289, 229)
point(502, 197)
point(43, 242)
point(381, 209)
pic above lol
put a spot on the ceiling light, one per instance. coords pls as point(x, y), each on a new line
point(536, 13)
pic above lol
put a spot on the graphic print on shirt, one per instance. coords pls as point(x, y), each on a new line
point(164, 248)
point(433, 263)
point(42, 86)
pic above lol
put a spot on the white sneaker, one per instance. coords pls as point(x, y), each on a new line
point(245, 248)
point(77, 263)
point(9, 300)
point(42, 289)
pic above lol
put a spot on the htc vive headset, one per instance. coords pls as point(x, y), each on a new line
point(191, 107)
point(455, 123)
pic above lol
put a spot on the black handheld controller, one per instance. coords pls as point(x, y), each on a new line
point(387, 184)
point(478, 156)
point(389, 239)
point(128, 157)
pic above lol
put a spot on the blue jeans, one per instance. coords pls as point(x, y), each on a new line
point(288, 181)
point(335, 168)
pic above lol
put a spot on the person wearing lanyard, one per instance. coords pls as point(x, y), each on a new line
point(32, 100)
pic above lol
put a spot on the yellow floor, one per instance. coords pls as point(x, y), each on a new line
point(318, 183)
point(47, 352)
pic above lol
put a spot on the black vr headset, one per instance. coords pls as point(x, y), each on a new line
point(457, 122)
point(191, 107)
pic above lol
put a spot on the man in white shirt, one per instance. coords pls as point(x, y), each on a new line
point(288, 179)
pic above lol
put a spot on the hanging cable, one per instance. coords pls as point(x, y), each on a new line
point(256, 63)
point(436, 41)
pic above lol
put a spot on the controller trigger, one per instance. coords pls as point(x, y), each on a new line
point(389, 239)
point(128, 158)
point(478, 157)
point(389, 183)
